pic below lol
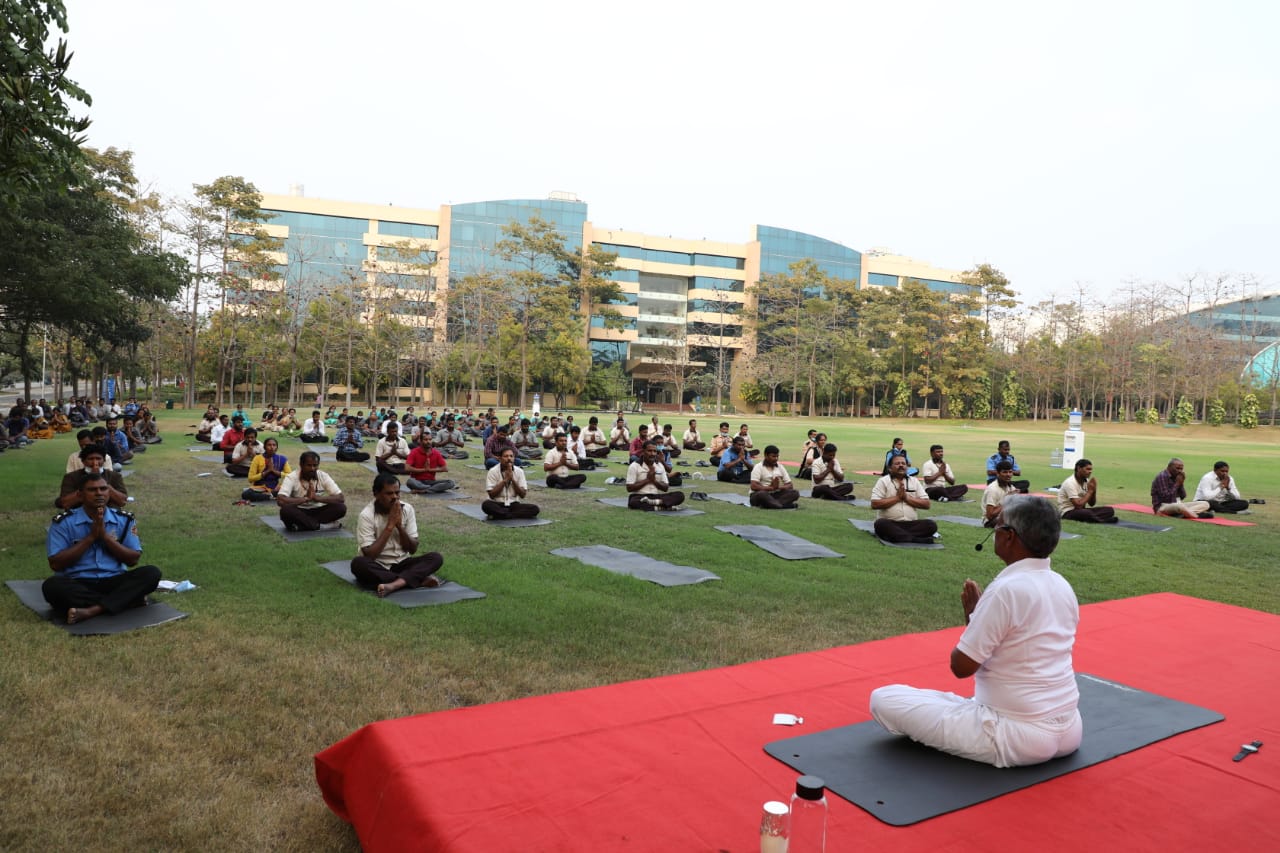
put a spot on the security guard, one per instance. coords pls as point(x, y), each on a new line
point(90, 551)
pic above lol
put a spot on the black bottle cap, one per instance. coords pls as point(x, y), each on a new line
point(810, 788)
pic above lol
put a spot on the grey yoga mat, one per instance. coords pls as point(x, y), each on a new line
point(1137, 525)
point(542, 484)
point(681, 510)
point(902, 782)
point(28, 593)
point(474, 511)
point(779, 542)
point(446, 593)
point(636, 565)
point(869, 527)
point(274, 522)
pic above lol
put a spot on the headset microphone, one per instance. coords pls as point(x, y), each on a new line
point(978, 547)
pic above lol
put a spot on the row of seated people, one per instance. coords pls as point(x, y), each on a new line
point(28, 422)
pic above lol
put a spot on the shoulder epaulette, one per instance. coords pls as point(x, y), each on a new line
point(60, 516)
point(127, 515)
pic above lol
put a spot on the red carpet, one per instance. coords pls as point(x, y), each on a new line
point(676, 763)
point(1219, 520)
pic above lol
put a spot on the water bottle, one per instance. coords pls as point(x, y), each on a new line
point(808, 830)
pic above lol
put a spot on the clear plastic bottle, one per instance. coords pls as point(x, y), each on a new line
point(808, 829)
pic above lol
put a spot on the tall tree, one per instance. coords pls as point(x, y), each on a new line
point(40, 139)
point(548, 285)
point(72, 261)
point(243, 253)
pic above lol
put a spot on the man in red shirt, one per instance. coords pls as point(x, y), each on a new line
point(231, 438)
point(423, 465)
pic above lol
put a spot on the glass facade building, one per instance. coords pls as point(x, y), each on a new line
point(676, 295)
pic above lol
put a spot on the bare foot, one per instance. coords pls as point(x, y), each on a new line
point(432, 582)
point(388, 588)
point(79, 614)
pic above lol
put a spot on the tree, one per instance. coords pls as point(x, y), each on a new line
point(40, 139)
point(989, 290)
point(795, 313)
point(549, 285)
point(476, 308)
point(675, 365)
point(72, 261)
point(1013, 399)
point(231, 208)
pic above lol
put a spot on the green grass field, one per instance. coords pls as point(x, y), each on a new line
point(199, 734)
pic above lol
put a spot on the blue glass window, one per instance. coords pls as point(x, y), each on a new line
point(408, 229)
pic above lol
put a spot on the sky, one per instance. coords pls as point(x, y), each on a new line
point(1092, 144)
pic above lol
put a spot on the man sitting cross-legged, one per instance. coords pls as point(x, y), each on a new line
point(505, 484)
point(594, 440)
point(526, 441)
point(735, 465)
point(309, 499)
point(549, 433)
point(90, 550)
point(939, 479)
point(451, 441)
point(1169, 494)
point(635, 450)
point(94, 460)
point(207, 423)
point(349, 442)
point(647, 485)
point(313, 429)
point(670, 446)
point(392, 451)
point(425, 462)
point(561, 465)
point(895, 497)
point(1219, 489)
point(691, 440)
point(828, 477)
point(585, 462)
point(1017, 645)
point(721, 442)
point(387, 533)
point(620, 436)
point(1079, 494)
point(996, 492)
point(242, 454)
point(230, 438)
point(771, 484)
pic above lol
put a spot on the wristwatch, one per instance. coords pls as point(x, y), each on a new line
point(1247, 749)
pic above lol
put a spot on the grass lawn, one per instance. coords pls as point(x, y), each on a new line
point(199, 734)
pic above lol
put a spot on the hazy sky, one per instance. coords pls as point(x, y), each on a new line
point(1096, 142)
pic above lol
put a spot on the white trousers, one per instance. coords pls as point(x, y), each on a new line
point(1184, 508)
point(964, 727)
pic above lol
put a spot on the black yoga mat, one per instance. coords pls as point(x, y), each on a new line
point(274, 522)
point(447, 593)
point(473, 511)
point(901, 782)
point(636, 565)
point(779, 542)
point(28, 593)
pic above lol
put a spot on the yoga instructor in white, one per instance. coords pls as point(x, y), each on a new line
point(1018, 645)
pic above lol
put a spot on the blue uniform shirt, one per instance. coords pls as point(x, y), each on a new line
point(97, 562)
point(997, 458)
point(731, 460)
